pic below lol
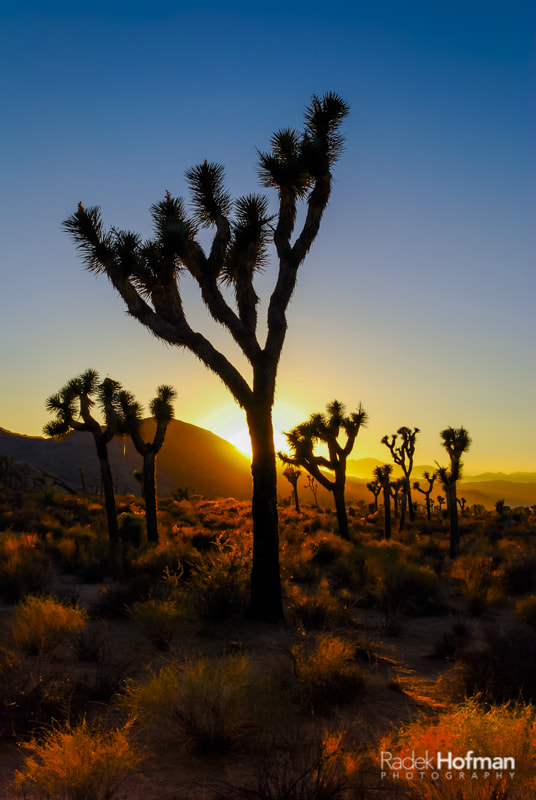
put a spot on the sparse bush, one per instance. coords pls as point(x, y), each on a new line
point(219, 584)
point(78, 763)
point(31, 692)
point(400, 587)
point(501, 669)
point(502, 730)
point(24, 567)
point(200, 706)
point(520, 574)
point(481, 581)
point(317, 608)
point(158, 619)
point(526, 610)
point(298, 770)
point(42, 623)
point(326, 671)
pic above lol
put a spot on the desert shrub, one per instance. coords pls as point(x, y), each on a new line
point(500, 669)
point(326, 671)
point(131, 529)
point(31, 692)
point(480, 580)
point(317, 608)
point(42, 623)
point(297, 770)
point(200, 706)
point(499, 731)
point(81, 550)
point(400, 587)
point(520, 575)
point(77, 763)
point(158, 619)
point(24, 567)
point(526, 610)
point(220, 580)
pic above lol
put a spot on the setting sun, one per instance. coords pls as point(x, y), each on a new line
point(229, 422)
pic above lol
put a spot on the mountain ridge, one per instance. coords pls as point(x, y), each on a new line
point(196, 459)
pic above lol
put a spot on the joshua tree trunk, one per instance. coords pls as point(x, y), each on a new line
point(149, 494)
point(340, 508)
point(265, 599)
point(107, 485)
point(452, 507)
point(387, 510)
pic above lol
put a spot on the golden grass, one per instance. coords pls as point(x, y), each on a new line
point(77, 763)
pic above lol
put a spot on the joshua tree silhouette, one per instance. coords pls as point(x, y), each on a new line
point(403, 456)
point(375, 487)
point(145, 273)
point(131, 424)
point(72, 406)
point(292, 474)
point(427, 492)
point(456, 442)
point(325, 428)
point(383, 475)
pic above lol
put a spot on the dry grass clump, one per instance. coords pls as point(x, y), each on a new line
point(326, 671)
point(499, 669)
point(481, 581)
point(219, 584)
point(24, 567)
point(497, 732)
point(294, 769)
point(77, 763)
point(158, 619)
point(42, 623)
point(200, 706)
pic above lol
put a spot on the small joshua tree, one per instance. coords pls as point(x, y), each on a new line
point(427, 492)
point(292, 474)
point(397, 487)
point(456, 442)
point(403, 456)
point(383, 476)
point(325, 429)
point(131, 423)
point(375, 487)
point(72, 406)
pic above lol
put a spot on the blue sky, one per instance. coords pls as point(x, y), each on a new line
point(418, 297)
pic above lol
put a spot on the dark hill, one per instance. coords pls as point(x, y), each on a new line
point(191, 457)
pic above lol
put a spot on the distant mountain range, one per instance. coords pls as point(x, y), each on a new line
point(196, 459)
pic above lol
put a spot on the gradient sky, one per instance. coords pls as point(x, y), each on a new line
point(418, 296)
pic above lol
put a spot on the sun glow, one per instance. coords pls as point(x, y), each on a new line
point(230, 423)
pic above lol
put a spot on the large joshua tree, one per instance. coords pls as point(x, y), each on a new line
point(325, 429)
point(456, 442)
point(403, 454)
point(145, 273)
point(131, 423)
point(72, 406)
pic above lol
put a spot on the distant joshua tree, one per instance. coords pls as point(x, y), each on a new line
point(440, 501)
point(396, 487)
point(375, 487)
point(427, 492)
point(313, 486)
point(383, 475)
point(403, 456)
point(325, 429)
point(456, 442)
point(72, 406)
point(292, 474)
point(131, 424)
